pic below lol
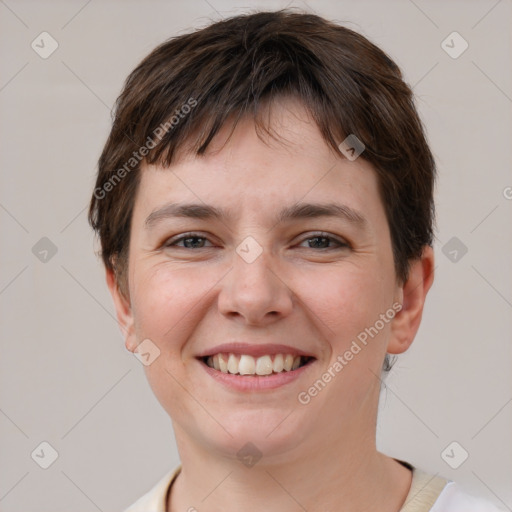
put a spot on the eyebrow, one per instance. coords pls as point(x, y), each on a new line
point(294, 212)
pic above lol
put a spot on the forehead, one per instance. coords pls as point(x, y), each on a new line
point(251, 170)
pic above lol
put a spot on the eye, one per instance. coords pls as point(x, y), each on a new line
point(321, 241)
point(324, 241)
point(190, 241)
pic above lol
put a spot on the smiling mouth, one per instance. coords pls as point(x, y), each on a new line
point(246, 365)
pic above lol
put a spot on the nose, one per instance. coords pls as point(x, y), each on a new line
point(255, 292)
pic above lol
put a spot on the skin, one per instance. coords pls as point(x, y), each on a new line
point(320, 456)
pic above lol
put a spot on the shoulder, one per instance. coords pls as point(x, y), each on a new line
point(155, 500)
point(454, 499)
point(434, 493)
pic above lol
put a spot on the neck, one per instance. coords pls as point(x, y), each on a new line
point(348, 473)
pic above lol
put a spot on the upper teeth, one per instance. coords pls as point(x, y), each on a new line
point(248, 365)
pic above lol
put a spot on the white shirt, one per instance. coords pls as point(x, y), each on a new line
point(428, 493)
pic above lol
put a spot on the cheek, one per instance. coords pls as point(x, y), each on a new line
point(168, 302)
point(165, 306)
point(162, 299)
point(345, 300)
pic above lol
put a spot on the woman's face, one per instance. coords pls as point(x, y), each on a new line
point(268, 277)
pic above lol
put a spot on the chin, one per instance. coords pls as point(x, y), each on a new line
point(260, 433)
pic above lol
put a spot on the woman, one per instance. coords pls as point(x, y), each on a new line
point(264, 204)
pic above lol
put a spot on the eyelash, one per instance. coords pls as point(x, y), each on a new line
point(321, 235)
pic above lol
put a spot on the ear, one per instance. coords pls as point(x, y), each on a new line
point(123, 311)
point(413, 292)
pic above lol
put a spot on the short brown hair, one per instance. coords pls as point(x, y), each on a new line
point(228, 70)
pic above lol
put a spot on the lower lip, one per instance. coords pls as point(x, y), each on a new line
point(255, 382)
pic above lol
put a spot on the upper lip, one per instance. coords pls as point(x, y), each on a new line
point(255, 350)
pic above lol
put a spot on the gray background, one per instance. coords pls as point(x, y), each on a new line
point(66, 377)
